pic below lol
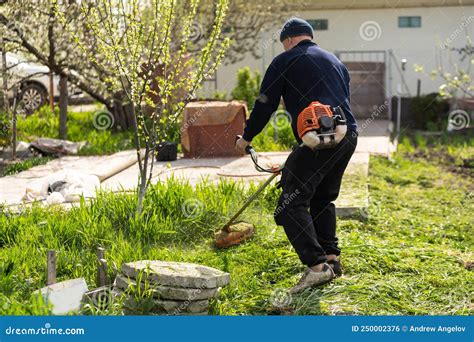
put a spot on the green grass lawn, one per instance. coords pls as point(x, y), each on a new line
point(45, 123)
point(411, 256)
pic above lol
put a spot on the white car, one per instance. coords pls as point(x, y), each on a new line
point(33, 82)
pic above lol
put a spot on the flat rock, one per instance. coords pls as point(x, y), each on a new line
point(177, 274)
point(65, 296)
point(168, 292)
point(204, 313)
point(174, 307)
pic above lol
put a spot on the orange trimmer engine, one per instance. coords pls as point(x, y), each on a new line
point(321, 126)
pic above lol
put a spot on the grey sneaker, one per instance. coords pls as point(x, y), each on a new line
point(336, 267)
point(312, 279)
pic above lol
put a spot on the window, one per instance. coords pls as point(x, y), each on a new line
point(409, 21)
point(319, 24)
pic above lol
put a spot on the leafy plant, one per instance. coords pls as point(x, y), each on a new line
point(5, 133)
point(430, 111)
point(248, 86)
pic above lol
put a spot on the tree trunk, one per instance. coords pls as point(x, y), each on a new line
point(52, 54)
point(63, 102)
point(122, 113)
point(51, 90)
point(4, 98)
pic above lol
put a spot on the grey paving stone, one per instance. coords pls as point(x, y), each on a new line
point(173, 307)
point(177, 274)
point(167, 292)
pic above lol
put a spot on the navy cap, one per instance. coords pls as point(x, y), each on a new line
point(296, 27)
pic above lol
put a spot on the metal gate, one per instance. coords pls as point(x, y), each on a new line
point(370, 82)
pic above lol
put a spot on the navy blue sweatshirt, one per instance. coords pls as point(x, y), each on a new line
point(301, 75)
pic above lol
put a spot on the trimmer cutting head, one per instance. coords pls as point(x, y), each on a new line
point(234, 234)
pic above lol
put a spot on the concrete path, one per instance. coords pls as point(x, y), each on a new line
point(354, 195)
point(13, 187)
point(374, 138)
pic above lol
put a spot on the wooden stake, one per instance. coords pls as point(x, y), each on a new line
point(102, 268)
point(51, 268)
point(103, 272)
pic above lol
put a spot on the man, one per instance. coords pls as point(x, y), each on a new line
point(311, 179)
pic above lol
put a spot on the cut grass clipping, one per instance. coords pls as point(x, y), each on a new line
point(411, 256)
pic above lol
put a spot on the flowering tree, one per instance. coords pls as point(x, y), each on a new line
point(134, 39)
point(454, 69)
point(458, 83)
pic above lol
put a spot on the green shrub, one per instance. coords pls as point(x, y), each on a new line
point(429, 112)
point(5, 133)
point(248, 86)
point(219, 95)
point(276, 136)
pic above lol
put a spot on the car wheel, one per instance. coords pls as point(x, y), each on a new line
point(33, 96)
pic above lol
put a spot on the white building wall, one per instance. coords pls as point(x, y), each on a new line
point(420, 46)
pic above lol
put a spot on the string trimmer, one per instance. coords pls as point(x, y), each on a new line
point(234, 233)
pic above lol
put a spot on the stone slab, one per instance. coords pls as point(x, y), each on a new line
point(177, 274)
point(168, 292)
point(166, 306)
point(204, 313)
point(66, 296)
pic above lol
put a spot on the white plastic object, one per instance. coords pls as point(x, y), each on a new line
point(313, 140)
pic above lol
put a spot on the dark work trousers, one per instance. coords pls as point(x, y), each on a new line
point(311, 181)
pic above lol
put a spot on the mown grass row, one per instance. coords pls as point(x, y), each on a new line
point(411, 256)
